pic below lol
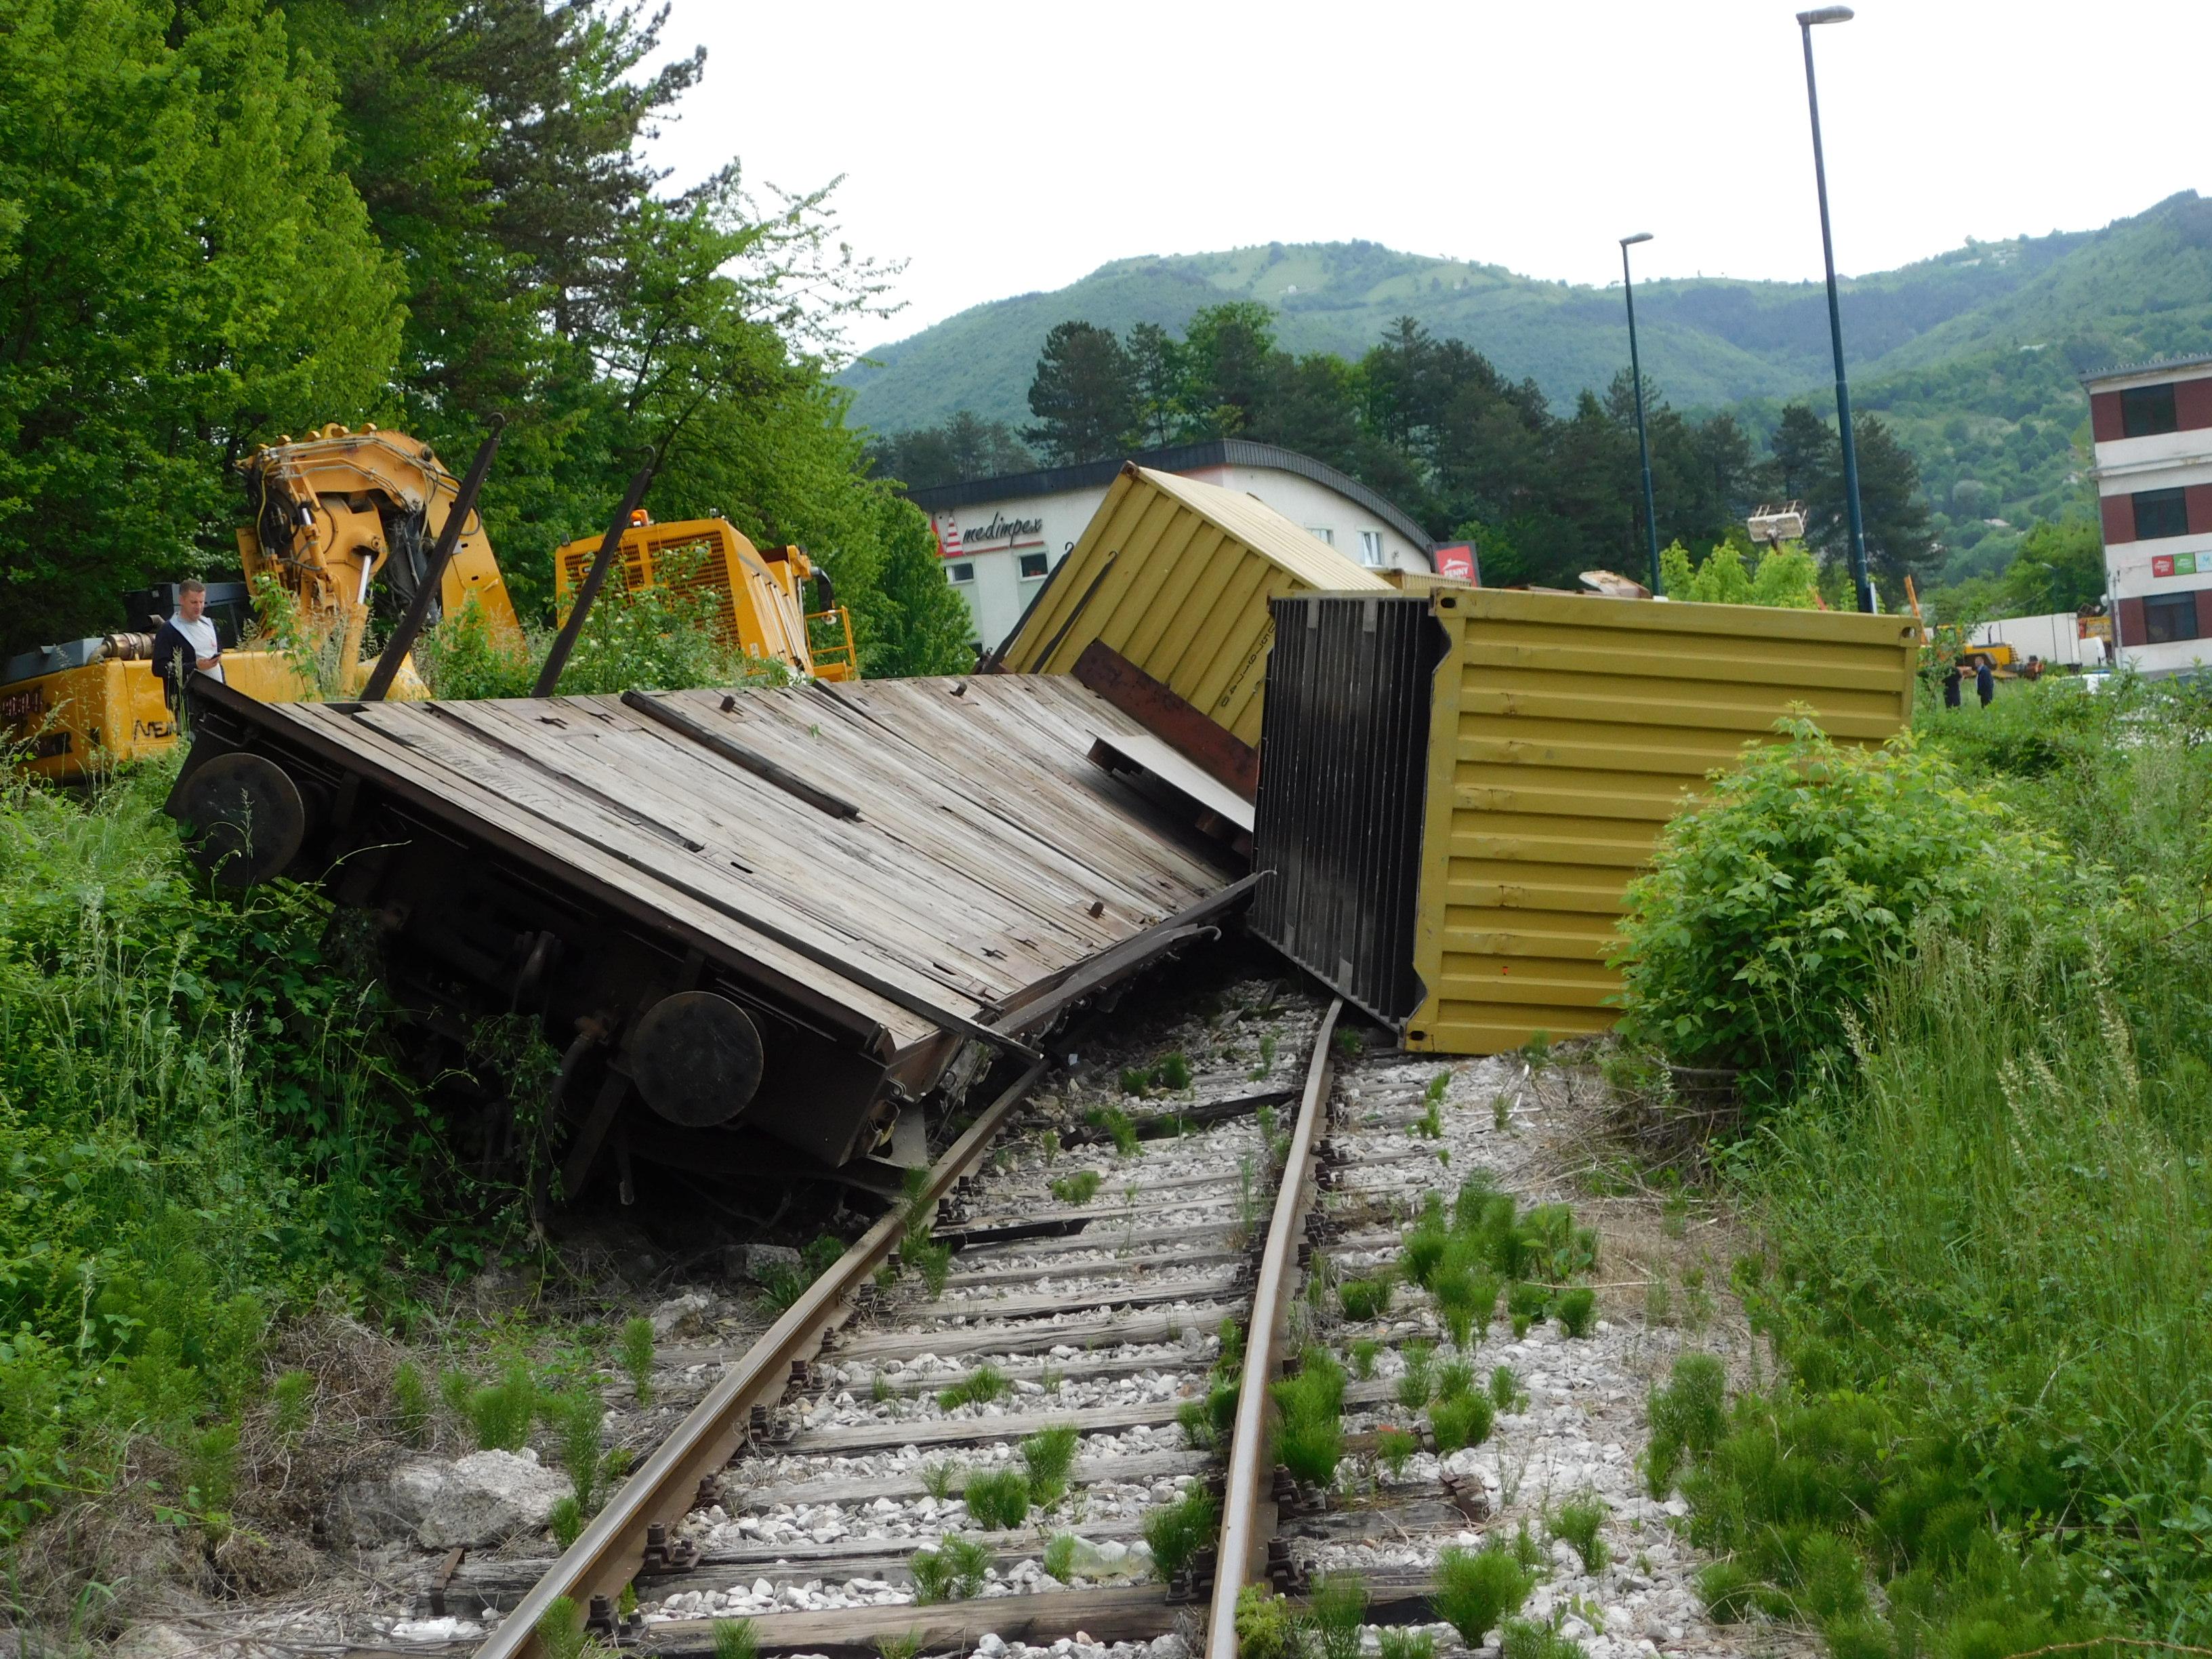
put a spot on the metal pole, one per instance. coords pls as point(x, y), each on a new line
point(1805, 21)
point(1642, 443)
point(426, 587)
point(557, 658)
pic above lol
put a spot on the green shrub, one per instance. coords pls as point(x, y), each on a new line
point(1728, 1590)
point(1773, 906)
point(980, 1387)
point(566, 1522)
point(1394, 1449)
point(1454, 1379)
point(1049, 1457)
point(501, 1414)
point(1364, 1352)
point(560, 1630)
point(1686, 1418)
point(937, 1478)
point(1310, 1438)
point(998, 1500)
point(1577, 1310)
point(577, 1419)
point(1364, 1299)
point(1173, 1072)
point(292, 1399)
point(637, 1358)
point(952, 1571)
point(1399, 1643)
point(1464, 1421)
point(1177, 1532)
point(1266, 1626)
point(1419, 1378)
point(736, 1638)
point(1423, 1249)
point(1506, 1393)
point(1525, 1638)
point(1080, 1188)
point(410, 1404)
point(1060, 1557)
point(1120, 1128)
point(1335, 1611)
point(1477, 1589)
point(1577, 1522)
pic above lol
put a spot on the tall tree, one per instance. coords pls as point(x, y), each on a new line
point(1807, 459)
point(184, 272)
point(961, 447)
point(1084, 395)
point(1156, 362)
point(1229, 369)
point(1892, 507)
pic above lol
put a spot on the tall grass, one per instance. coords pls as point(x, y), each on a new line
point(1988, 1232)
point(197, 1131)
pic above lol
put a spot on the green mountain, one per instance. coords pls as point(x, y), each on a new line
point(1973, 355)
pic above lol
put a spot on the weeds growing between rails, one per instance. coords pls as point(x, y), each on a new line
point(1987, 1209)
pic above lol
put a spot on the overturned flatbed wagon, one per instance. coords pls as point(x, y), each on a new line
point(760, 925)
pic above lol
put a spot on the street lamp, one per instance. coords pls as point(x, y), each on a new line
point(1806, 20)
point(1635, 373)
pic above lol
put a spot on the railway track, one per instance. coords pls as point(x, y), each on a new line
point(1097, 1327)
point(853, 1481)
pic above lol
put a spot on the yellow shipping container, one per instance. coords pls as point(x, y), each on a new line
point(1176, 575)
point(1459, 786)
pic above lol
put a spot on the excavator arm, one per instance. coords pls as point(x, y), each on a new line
point(344, 521)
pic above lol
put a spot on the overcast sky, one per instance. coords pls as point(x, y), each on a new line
point(1002, 148)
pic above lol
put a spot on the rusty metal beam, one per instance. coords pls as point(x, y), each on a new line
point(1214, 749)
point(607, 1557)
point(1248, 1511)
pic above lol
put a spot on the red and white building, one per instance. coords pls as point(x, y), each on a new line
point(2152, 423)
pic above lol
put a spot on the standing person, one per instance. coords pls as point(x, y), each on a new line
point(1985, 681)
point(1951, 678)
point(186, 645)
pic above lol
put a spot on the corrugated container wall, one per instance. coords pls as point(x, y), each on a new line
point(1560, 732)
point(1176, 576)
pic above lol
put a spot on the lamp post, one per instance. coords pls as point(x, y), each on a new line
point(1806, 20)
point(1635, 373)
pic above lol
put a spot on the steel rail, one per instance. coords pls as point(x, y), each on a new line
point(612, 1548)
point(1248, 1510)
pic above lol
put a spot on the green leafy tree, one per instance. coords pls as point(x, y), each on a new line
point(2060, 567)
point(184, 272)
point(1084, 395)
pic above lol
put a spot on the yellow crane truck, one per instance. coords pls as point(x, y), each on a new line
point(344, 522)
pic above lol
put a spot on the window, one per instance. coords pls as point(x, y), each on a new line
point(2161, 512)
point(2170, 618)
point(1032, 565)
point(1322, 533)
point(2147, 410)
point(1370, 547)
point(962, 572)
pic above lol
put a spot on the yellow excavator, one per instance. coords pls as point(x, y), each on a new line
point(344, 522)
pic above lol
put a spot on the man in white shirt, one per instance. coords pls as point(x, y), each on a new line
point(186, 644)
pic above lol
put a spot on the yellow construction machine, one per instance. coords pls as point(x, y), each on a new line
point(344, 522)
point(758, 596)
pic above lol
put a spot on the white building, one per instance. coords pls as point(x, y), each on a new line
point(1001, 538)
point(2152, 423)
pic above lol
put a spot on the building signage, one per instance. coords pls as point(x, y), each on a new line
point(1001, 529)
point(1457, 559)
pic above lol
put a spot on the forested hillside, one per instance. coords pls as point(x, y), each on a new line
point(418, 215)
point(1970, 357)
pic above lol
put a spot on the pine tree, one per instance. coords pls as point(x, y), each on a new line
point(1084, 395)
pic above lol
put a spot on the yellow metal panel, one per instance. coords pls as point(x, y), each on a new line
point(1565, 732)
point(1175, 575)
point(77, 721)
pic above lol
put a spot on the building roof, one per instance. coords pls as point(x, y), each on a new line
point(2150, 365)
point(1176, 457)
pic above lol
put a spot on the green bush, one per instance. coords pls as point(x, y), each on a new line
point(637, 1358)
point(1773, 906)
point(1577, 1310)
point(1687, 1418)
point(1049, 1457)
point(980, 1387)
point(1464, 1420)
point(1364, 1299)
point(1080, 1188)
point(1266, 1626)
point(1335, 1611)
point(1577, 1522)
point(1310, 1438)
point(998, 1500)
point(1177, 1532)
point(1478, 1589)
